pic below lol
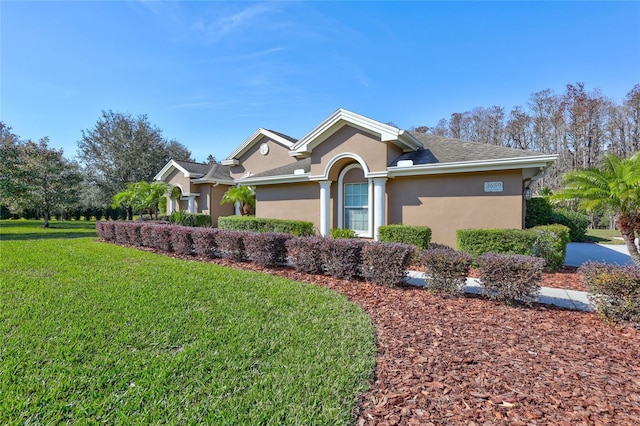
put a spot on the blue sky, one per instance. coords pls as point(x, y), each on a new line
point(210, 73)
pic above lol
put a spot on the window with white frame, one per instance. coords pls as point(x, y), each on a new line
point(356, 206)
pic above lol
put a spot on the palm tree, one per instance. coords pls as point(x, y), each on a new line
point(615, 184)
point(141, 196)
point(243, 195)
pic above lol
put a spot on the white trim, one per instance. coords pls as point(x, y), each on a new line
point(214, 181)
point(379, 216)
point(344, 117)
point(368, 233)
point(473, 166)
point(232, 159)
point(268, 180)
point(334, 160)
point(325, 202)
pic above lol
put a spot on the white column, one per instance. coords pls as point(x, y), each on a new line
point(237, 206)
point(192, 204)
point(172, 205)
point(325, 195)
point(379, 191)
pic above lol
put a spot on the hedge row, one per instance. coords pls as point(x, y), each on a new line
point(381, 263)
point(190, 219)
point(615, 290)
point(296, 228)
point(540, 212)
point(548, 242)
point(419, 236)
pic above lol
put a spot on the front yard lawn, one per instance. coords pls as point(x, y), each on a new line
point(96, 333)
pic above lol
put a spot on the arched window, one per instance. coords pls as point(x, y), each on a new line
point(354, 201)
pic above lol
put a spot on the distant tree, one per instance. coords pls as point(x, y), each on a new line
point(211, 159)
point(614, 185)
point(243, 195)
point(52, 181)
point(421, 129)
point(12, 184)
point(120, 149)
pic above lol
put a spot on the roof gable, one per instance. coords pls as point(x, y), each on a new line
point(284, 140)
point(343, 117)
point(190, 169)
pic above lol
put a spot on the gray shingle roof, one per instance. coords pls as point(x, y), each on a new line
point(193, 167)
point(438, 149)
point(287, 169)
point(218, 172)
point(282, 135)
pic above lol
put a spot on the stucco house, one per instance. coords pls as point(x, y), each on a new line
point(354, 172)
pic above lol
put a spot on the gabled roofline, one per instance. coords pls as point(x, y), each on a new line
point(232, 159)
point(343, 117)
point(172, 164)
point(539, 161)
point(214, 181)
point(267, 180)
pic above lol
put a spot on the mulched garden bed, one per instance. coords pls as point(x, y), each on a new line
point(473, 361)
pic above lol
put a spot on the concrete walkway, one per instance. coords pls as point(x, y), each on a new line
point(577, 254)
point(568, 299)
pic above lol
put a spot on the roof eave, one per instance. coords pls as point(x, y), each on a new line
point(271, 180)
point(542, 161)
point(232, 159)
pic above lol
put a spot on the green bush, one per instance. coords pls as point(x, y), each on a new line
point(577, 223)
point(551, 244)
point(386, 264)
point(419, 236)
point(190, 219)
point(506, 241)
point(539, 212)
point(447, 269)
point(297, 228)
point(615, 290)
point(342, 233)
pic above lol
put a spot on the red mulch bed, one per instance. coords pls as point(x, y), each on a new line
point(473, 361)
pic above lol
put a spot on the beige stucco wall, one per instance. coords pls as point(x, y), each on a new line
point(203, 201)
point(177, 178)
point(352, 140)
point(449, 202)
point(216, 208)
point(254, 162)
point(298, 201)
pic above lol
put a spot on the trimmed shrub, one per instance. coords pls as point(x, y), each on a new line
point(108, 230)
point(146, 234)
point(341, 258)
point(386, 264)
point(298, 228)
point(161, 237)
point(576, 222)
point(181, 240)
point(433, 246)
point(447, 269)
point(266, 248)
point(539, 212)
point(510, 278)
point(205, 241)
point(306, 253)
point(615, 290)
point(231, 243)
point(419, 236)
point(190, 219)
point(506, 241)
point(342, 233)
point(551, 245)
point(133, 229)
point(122, 236)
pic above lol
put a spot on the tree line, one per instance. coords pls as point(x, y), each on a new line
point(579, 125)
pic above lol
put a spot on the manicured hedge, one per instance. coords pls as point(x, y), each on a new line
point(577, 223)
point(205, 242)
point(190, 219)
point(181, 240)
point(551, 244)
point(507, 241)
point(306, 253)
point(615, 290)
point(266, 248)
point(342, 233)
point(419, 236)
point(386, 263)
point(539, 212)
point(231, 243)
point(297, 228)
point(511, 278)
point(341, 258)
point(447, 269)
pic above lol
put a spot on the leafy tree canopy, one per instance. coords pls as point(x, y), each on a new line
point(121, 149)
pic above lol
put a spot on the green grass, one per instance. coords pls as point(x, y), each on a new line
point(95, 333)
point(604, 236)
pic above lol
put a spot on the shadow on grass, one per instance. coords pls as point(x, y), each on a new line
point(34, 230)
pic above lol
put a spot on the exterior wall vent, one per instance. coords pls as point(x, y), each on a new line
point(405, 163)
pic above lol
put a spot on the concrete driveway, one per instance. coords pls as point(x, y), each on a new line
point(579, 253)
